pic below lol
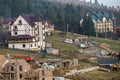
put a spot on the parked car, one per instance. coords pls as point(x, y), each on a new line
point(82, 45)
point(69, 41)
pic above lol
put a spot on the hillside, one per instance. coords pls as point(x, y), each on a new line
point(70, 51)
point(62, 15)
point(57, 41)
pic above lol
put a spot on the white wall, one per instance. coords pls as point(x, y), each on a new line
point(24, 29)
point(19, 45)
point(27, 46)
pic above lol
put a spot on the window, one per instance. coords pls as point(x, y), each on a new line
point(43, 78)
point(13, 46)
point(20, 67)
point(38, 38)
point(12, 68)
point(20, 75)
point(98, 27)
point(15, 33)
point(103, 23)
point(42, 72)
point(23, 45)
point(15, 27)
point(12, 75)
point(98, 24)
point(31, 45)
point(20, 22)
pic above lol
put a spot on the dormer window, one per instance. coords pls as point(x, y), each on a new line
point(20, 22)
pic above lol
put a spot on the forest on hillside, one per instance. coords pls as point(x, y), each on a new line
point(62, 15)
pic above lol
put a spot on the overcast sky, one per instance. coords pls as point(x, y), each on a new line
point(109, 2)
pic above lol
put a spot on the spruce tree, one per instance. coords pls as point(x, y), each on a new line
point(88, 26)
point(91, 26)
point(85, 25)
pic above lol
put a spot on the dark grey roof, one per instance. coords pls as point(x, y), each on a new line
point(99, 15)
point(107, 61)
point(31, 19)
point(94, 17)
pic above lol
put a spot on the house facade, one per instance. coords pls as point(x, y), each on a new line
point(48, 27)
point(103, 22)
point(104, 25)
point(27, 32)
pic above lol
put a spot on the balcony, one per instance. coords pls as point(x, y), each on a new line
point(20, 41)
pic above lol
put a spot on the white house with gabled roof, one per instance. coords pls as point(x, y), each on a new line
point(27, 32)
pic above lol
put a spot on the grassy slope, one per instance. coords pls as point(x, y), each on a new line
point(115, 45)
point(57, 42)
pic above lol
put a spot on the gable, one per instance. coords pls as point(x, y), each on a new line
point(104, 19)
point(20, 21)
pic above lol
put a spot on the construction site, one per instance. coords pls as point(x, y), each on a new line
point(82, 59)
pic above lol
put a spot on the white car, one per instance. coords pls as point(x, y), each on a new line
point(83, 45)
point(69, 41)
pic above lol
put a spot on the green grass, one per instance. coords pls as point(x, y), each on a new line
point(115, 45)
point(100, 75)
point(68, 51)
point(34, 54)
point(57, 41)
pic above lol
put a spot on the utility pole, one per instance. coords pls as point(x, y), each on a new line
point(67, 27)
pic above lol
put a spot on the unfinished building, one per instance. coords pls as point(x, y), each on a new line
point(39, 74)
point(13, 69)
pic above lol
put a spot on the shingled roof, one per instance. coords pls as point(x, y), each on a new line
point(31, 19)
point(99, 15)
